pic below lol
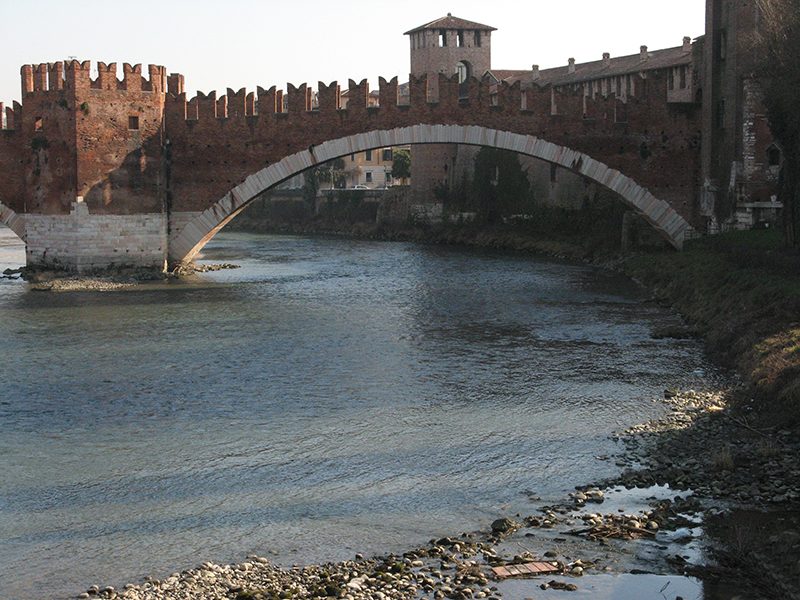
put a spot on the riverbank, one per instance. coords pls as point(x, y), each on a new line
point(740, 292)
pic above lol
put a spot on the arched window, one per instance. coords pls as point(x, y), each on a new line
point(464, 71)
point(773, 156)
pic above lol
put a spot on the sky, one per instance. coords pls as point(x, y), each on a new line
point(248, 43)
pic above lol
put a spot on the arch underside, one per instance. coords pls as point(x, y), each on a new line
point(15, 222)
point(202, 228)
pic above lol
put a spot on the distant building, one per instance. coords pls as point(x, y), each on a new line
point(624, 78)
point(371, 169)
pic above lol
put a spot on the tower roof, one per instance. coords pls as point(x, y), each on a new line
point(451, 22)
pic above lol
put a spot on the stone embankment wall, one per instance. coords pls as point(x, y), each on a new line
point(85, 242)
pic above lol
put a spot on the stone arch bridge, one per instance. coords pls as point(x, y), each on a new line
point(101, 172)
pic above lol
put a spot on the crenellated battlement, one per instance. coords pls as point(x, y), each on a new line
point(76, 77)
point(580, 101)
point(583, 100)
point(9, 116)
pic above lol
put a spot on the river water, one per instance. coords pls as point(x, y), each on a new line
point(329, 397)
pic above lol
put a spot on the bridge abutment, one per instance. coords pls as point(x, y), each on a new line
point(83, 242)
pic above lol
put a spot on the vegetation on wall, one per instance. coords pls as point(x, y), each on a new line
point(500, 185)
point(498, 188)
point(311, 185)
point(778, 70)
point(401, 166)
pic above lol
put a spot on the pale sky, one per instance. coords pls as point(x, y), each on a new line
point(246, 43)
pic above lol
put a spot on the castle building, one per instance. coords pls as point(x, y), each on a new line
point(131, 162)
point(740, 159)
point(735, 175)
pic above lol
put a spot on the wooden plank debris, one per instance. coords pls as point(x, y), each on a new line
point(527, 569)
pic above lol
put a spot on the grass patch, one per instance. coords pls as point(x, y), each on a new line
point(741, 292)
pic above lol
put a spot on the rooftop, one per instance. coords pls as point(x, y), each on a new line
point(451, 22)
point(606, 67)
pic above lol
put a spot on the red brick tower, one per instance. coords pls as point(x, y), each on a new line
point(448, 46)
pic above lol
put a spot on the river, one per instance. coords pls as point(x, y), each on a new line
point(329, 397)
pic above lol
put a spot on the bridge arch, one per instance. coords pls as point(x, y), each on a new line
point(15, 221)
point(198, 231)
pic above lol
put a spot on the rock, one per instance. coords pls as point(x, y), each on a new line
point(595, 496)
point(503, 525)
point(558, 585)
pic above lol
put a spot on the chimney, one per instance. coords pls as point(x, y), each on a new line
point(571, 66)
point(535, 72)
point(606, 60)
point(643, 54)
point(687, 44)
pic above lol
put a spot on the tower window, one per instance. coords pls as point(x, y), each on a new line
point(442, 38)
point(462, 69)
point(719, 116)
point(478, 39)
point(773, 156)
point(460, 39)
point(133, 122)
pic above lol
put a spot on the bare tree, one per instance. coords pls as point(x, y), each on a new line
point(777, 68)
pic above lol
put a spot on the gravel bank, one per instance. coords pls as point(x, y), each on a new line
point(698, 454)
